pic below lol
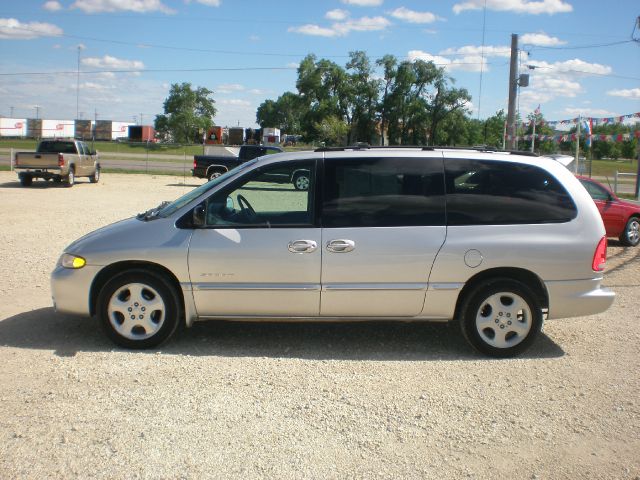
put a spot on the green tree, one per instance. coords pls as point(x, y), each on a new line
point(186, 112)
point(286, 113)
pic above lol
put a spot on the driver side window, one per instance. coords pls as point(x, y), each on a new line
point(279, 195)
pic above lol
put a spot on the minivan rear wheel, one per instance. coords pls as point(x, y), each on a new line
point(138, 309)
point(501, 318)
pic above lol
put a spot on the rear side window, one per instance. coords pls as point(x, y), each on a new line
point(56, 147)
point(481, 192)
point(383, 192)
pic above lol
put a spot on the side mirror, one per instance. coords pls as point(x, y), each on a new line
point(199, 216)
point(93, 152)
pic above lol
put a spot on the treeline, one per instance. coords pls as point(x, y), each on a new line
point(412, 103)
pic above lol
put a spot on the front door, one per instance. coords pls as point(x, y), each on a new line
point(383, 224)
point(259, 253)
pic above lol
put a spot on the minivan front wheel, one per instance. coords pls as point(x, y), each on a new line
point(501, 318)
point(138, 309)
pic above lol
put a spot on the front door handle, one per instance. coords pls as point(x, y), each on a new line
point(341, 246)
point(302, 246)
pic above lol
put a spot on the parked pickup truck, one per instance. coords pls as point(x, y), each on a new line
point(58, 160)
point(212, 166)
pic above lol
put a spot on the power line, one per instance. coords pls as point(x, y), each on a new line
point(578, 47)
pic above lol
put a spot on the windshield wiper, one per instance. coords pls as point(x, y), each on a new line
point(153, 212)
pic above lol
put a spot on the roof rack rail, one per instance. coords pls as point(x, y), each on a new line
point(478, 148)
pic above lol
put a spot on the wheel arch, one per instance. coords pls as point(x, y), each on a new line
point(526, 277)
point(109, 271)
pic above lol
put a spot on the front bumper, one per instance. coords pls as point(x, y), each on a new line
point(70, 289)
point(577, 298)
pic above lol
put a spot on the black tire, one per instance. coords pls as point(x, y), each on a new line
point(301, 181)
point(154, 289)
point(71, 178)
point(95, 178)
point(503, 329)
point(26, 180)
point(630, 237)
point(212, 175)
point(57, 179)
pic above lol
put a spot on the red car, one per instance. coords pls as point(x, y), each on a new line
point(621, 218)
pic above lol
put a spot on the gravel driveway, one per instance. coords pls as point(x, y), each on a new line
point(225, 400)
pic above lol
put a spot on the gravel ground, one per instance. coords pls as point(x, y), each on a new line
point(225, 400)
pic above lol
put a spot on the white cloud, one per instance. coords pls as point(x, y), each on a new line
point(110, 62)
point(254, 38)
point(470, 63)
point(12, 29)
point(364, 24)
point(258, 91)
point(363, 3)
point(487, 51)
point(533, 7)
point(559, 80)
point(343, 28)
point(52, 6)
point(540, 40)
point(574, 67)
point(229, 88)
point(337, 14)
point(411, 16)
point(138, 6)
point(633, 93)
point(234, 102)
point(313, 30)
point(209, 3)
point(589, 112)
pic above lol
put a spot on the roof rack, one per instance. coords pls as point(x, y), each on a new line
point(478, 148)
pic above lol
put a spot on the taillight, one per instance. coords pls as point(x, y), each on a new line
point(600, 256)
point(194, 163)
point(60, 160)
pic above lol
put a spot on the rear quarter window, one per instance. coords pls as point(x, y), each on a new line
point(484, 192)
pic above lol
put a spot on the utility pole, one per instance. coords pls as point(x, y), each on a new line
point(78, 85)
point(513, 93)
point(141, 123)
point(37, 112)
point(577, 167)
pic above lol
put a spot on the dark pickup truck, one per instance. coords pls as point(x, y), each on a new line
point(212, 166)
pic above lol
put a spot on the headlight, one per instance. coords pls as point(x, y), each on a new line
point(72, 261)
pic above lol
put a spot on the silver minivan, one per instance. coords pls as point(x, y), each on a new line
point(496, 241)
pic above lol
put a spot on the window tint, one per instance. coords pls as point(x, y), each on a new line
point(56, 147)
point(383, 192)
point(481, 192)
point(596, 191)
point(265, 197)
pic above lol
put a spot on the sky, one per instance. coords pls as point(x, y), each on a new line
point(579, 53)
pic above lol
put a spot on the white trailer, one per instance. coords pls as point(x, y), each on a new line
point(120, 130)
point(270, 136)
point(58, 129)
point(13, 127)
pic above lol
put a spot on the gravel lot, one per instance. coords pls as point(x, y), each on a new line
point(225, 400)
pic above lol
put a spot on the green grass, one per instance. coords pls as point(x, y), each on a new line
point(116, 147)
point(608, 167)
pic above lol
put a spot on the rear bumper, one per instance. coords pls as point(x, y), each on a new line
point(577, 298)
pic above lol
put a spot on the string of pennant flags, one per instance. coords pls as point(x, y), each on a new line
point(592, 121)
point(572, 137)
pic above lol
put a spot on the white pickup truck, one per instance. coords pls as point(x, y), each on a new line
point(58, 160)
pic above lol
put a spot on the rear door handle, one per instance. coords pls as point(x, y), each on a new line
point(341, 245)
point(302, 246)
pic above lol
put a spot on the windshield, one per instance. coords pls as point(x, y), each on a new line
point(177, 204)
